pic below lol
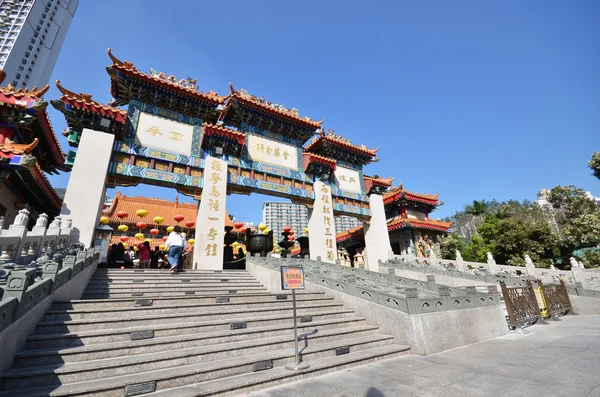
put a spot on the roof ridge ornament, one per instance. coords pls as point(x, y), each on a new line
point(18, 148)
point(261, 100)
point(33, 92)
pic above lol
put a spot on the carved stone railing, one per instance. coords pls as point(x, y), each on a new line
point(21, 246)
point(474, 275)
point(400, 293)
point(491, 272)
point(23, 287)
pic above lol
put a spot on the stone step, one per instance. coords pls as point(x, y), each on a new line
point(358, 337)
point(225, 369)
point(181, 283)
point(252, 381)
point(53, 327)
point(172, 278)
point(255, 325)
point(159, 301)
point(152, 292)
point(166, 271)
point(128, 312)
point(33, 358)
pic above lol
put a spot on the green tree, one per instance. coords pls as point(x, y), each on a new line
point(578, 218)
point(592, 259)
point(449, 244)
point(476, 250)
point(594, 164)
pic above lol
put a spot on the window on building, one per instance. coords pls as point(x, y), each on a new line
point(27, 54)
point(21, 67)
point(18, 76)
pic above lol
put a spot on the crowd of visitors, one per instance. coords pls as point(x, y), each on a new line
point(173, 257)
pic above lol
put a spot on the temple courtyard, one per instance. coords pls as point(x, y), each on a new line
point(556, 358)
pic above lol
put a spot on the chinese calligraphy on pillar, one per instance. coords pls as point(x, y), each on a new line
point(210, 223)
point(321, 225)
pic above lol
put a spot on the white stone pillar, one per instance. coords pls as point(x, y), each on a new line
point(87, 185)
point(530, 266)
point(210, 223)
point(491, 264)
point(377, 238)
point(321, 225)
point(460, 263)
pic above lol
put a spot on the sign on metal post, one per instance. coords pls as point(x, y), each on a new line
point(292, 278)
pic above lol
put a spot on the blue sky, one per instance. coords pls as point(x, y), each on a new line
point(471, 99)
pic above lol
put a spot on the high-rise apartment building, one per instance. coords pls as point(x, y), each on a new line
point(276, 215)
point(32, 33)
point(344, 223)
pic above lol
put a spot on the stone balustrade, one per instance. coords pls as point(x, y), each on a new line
point(491, 272)
point(21, 246)
point(22, 287)
point(408, 295)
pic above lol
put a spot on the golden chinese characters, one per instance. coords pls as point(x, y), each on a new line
point(154, 130)
point(176, 136)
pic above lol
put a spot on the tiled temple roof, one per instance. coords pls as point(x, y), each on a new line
point(383, 182)
point(30, 101)
point(155, 207)
point(399, 193)
point(211, 129)
point(317, 158)
point(331, 137)
point(186, 87)
point(86, 104)
point(263, 104)
point(432, 224)
point(397, 223)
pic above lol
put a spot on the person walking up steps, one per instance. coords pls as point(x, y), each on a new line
point(175, 244)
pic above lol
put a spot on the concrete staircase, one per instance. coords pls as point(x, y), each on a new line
point(197, 333)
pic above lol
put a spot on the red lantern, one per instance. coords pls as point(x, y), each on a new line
point(136, 244)
point(291, 238)
point(190, 223)
point(140, 225)
point(122, 214)
point(238, 225)
point(104, 206)
point(154, 232)
point(178, 218)
point(292, 233)
point(287, 228)
point(123, 238)
point(243, 229)
point(165, 238)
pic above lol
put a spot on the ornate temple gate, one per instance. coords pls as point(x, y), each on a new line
point(208, 146)
point(521, 304)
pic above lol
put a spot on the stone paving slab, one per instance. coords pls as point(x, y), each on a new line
point(560, 358)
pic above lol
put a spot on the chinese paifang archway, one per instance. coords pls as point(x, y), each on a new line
point(208, 146)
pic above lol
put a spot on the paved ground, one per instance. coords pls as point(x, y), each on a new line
point(560, 358)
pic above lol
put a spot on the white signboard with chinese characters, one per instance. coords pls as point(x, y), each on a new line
point(210, 223)
point(321, 225)
point(161, 133)
point(272, 152)
point(348, 180)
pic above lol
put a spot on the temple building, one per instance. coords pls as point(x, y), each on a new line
point(123, 209)
point(408, 222)
point(28, 148)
